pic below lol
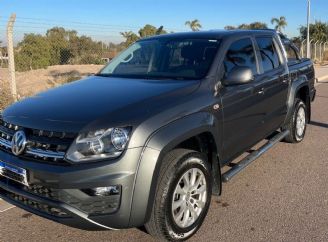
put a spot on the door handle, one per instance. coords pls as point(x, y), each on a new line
point(284, 78)
point(261, 91)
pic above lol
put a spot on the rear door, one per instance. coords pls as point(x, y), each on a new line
point(272, 82)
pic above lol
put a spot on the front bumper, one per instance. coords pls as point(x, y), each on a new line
point(61, 198)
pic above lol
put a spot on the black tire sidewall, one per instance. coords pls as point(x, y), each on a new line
point(299, 104)
point(176, 232)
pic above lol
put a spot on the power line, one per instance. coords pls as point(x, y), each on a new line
point(84, 23)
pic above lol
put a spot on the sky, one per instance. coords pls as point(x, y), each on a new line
point(105, 19)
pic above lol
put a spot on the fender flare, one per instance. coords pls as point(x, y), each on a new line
point(157, 145)
point(294, 89)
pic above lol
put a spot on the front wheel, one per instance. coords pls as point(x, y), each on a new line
point(297, 123)
point(183, 196)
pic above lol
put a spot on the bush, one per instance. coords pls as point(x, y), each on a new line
point(57, 47)
point(34, 52)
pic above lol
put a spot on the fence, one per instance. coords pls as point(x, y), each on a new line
point(319, 50)
point(51, 52)
point(46, 55)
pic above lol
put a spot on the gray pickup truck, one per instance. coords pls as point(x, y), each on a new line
point(143, 142)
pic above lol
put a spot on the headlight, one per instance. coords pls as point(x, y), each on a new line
point(100, 144)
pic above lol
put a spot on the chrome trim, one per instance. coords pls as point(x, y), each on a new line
point(36, 152)
point(45, 153)
point(5, 143)
point(30, 150)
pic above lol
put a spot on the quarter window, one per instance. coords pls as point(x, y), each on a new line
point(269, 54)
point(240, 53)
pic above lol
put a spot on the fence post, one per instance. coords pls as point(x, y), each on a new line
point(302, 48)
point(11, 60)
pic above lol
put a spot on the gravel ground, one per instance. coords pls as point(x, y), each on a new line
point(282, 196)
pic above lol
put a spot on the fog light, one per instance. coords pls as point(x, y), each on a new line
point(103, 191)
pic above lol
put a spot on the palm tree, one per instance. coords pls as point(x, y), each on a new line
point(280, 23)
point(194, 25)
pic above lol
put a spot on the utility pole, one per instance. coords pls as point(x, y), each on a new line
point(11, 60)
point(308, 55)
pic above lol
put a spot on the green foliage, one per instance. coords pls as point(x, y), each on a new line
point(280, 23)
point(33, 52)
point(146, 31)
point(130, 38)
point(254, 25)
point(59, 40)
point(318, 31)
point(194, 25)
point(57, 47)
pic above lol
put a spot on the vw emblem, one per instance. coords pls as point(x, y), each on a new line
point(18, 143)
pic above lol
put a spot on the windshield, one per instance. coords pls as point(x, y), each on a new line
point(173, 59)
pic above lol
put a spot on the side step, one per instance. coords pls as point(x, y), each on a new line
point(253, 156)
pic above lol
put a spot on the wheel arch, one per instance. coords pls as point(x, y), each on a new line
point(299, 89)
point(198, 132)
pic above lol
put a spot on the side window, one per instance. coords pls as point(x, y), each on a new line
point(269, 54)
point(291, 53)
point(240, 53)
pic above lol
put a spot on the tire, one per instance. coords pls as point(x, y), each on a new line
point(297, 123)
point(165, 223)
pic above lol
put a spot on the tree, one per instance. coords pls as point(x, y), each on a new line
point(230, 27)
point(254, 25)
point(59, 46)
point(130, 37)
point(59, 39)
point(146, 31)
point(280, 23)
point(258, 25)
point(33, 52)
point(194, 25)
point(150, 30)
point(160, 30)
point(318, 31)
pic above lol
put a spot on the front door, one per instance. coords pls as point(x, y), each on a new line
point(243, 119)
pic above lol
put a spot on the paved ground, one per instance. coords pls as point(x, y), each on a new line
point(283, 196)
point(322, 72)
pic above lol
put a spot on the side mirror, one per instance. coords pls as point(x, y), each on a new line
point(239, 75)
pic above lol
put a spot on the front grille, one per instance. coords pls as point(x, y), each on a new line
point(42, 191)
point(89, 205)
point(41, 207)
point(13, 176)
point(102, 205)
point(42, 145)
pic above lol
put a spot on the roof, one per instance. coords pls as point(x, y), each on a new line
point(215, 34)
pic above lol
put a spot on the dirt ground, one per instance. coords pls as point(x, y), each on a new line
point(35, 81)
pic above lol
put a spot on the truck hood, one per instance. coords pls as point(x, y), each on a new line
point(81, 102)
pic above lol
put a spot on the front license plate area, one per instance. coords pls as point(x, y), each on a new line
point(14, 173)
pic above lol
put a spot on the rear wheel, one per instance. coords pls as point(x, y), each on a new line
point(297, 123)
point(183, 196)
